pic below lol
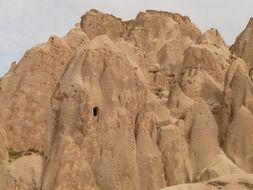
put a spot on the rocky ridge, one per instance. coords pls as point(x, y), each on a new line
point(131, 105)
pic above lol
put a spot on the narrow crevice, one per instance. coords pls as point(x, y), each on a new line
point(52, 146)
point(136, 126)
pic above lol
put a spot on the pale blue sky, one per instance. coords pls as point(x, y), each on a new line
point(25, 23)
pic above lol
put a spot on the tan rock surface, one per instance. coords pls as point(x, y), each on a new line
point(232, 182)
point(243, 47)
point(130, 105)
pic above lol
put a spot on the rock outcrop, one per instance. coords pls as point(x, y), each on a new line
point(243, 47)
point(132, 105)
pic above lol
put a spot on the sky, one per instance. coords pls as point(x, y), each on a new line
point(26, 23)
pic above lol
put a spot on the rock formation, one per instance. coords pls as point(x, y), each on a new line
point(243, 46)
point(131, 105)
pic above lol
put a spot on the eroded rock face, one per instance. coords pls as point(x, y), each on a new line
point(95, 23)
point(132, 105)
point(233, 182)
point(236, 115)
point(243, 47)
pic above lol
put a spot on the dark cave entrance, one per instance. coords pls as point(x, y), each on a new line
point(95, 111)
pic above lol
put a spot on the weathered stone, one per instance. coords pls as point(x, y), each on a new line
point(130, 105)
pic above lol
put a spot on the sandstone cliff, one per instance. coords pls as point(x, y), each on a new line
point(130, 105)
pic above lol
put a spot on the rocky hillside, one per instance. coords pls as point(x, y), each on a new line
point(129, 105)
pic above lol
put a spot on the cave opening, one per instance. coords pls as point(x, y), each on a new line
point(95, 111)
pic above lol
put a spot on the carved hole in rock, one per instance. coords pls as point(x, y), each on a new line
point(95, 111)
